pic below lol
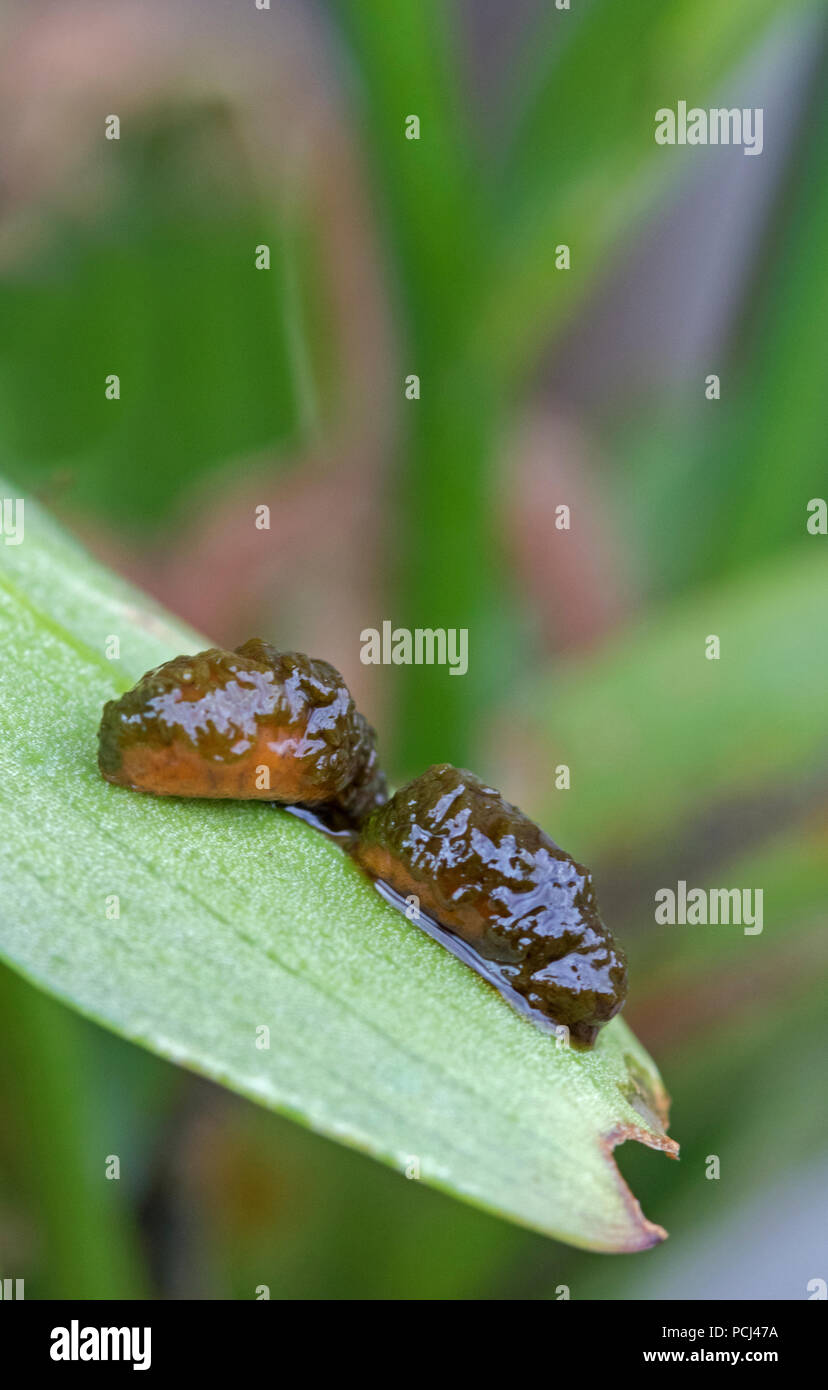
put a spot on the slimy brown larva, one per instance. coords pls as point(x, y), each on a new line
point(281, 727)
point(485, 872)
point(251, 723)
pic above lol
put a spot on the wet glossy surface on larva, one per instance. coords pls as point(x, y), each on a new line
point(489, 884)
point(485, 872)
point(252, 723)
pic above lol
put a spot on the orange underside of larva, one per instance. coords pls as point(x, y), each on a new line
point(181, 768)
point(381, 863)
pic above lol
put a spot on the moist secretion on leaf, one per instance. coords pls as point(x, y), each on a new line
point(281, 727)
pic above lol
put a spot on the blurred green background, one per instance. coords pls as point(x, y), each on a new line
point(538, 386)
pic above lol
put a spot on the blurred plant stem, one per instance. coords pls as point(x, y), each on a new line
point(449, 565)
point(770, 455)
point(446, 567)
point(91, 1247)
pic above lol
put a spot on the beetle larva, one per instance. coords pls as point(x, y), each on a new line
point(280, 727)
point(251, 723)
point(489, 875)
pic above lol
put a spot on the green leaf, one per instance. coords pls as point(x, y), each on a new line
point(206, 377)
point(584, 166)
point(56, 1147)
point(655, 734)
point(780, 407)
point(234, 916)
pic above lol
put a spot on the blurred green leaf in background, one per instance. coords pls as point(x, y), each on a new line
point(438, 257)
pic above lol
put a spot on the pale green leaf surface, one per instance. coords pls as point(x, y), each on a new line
point(234, 915)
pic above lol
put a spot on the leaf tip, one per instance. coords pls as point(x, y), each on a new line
point(643, 1233)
